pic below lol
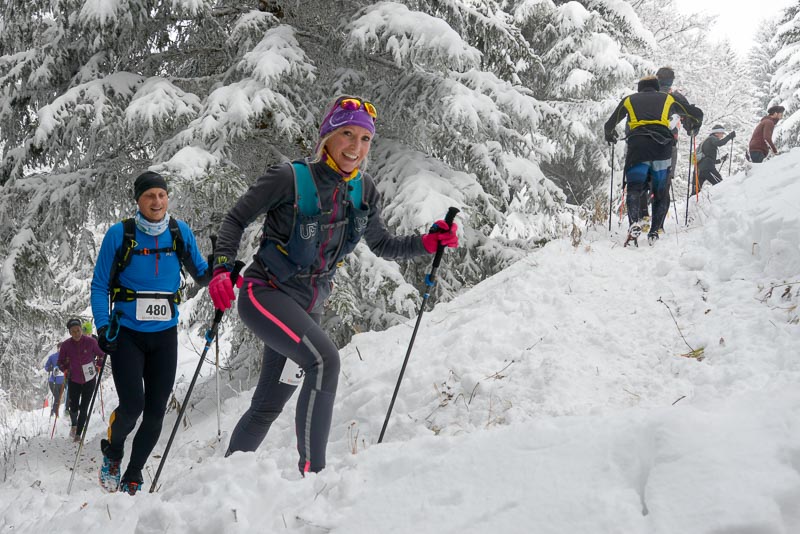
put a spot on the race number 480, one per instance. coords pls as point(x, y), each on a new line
point(153, 309)
point(157, 310)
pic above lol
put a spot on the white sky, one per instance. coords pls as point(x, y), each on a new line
point(551, 398)
point(737, 19)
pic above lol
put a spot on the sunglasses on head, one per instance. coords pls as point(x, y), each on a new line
point(352, 104)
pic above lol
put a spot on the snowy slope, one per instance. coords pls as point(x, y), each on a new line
point(551, 398)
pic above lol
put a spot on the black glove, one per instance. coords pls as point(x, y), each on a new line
point(723, 158)
point(692, 127)
point(732, 135)
point(105, 345)
point(611, 137)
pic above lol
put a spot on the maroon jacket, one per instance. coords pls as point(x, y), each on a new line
point(762, 136)
point(73, 356)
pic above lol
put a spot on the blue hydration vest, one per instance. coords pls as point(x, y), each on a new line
point(284, 260)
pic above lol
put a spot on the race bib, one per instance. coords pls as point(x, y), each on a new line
point(292, 374)
point(153, 309)
point(89, 371)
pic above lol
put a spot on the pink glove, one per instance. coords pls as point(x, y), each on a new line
point(442, 233)
point(221, 289)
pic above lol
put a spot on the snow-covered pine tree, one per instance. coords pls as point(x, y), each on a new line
point(714, 76)
point(211, 93)
point(93, 93)
point(588, 51)
point(786, 80)
point(710, 74)
point(761, 68)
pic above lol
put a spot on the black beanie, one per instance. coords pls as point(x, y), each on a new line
point(776, 109)
point(73, 322)
point(146, 181)
point(648, 81)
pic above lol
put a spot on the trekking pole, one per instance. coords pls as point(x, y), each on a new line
point(611, 191)
point(115, 328)
point(216, 364)
point(730, 160)
point(102, 406)
point(216, 359)
point(675, 206)
point(696, 173)
point(430, 281)
point(86, 424)
point(689, 181)
point(45, 403)
point(211, 333)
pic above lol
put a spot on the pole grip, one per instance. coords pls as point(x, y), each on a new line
point(237, 267)
point(449, 218)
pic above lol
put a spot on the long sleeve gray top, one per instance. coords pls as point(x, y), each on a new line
point(273, 195)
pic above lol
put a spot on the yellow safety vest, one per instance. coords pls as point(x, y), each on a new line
point(634, 122)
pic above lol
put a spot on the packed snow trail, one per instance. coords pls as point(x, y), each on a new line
point(550, 398)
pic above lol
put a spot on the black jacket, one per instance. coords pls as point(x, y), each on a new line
point(709, 149)
point(648, 113)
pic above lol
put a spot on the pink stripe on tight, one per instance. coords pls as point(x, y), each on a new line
point(269, 316)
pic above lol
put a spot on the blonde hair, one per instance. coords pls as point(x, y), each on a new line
point(319, 152)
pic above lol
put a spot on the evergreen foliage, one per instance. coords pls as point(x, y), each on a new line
point(709, 74)
point(587, 52)
point(761, 68)
point(786, 79)
point(210, 94)
point(493, 107)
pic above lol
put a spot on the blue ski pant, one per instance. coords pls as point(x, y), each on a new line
point(288, 331)
point(144, 369)
point(637, 176)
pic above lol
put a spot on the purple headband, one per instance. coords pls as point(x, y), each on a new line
point(339, 117)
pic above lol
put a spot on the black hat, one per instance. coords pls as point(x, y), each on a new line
point(648, 81)
point(73, 322)
point(148, 180)
point(776, 109)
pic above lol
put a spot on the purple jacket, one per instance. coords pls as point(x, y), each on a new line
point(74, 355)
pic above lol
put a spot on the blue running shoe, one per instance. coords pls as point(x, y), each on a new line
point(109, 472)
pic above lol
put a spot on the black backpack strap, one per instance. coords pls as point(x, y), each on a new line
point(124, 253)
point(179, 246)
point(124, 294)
